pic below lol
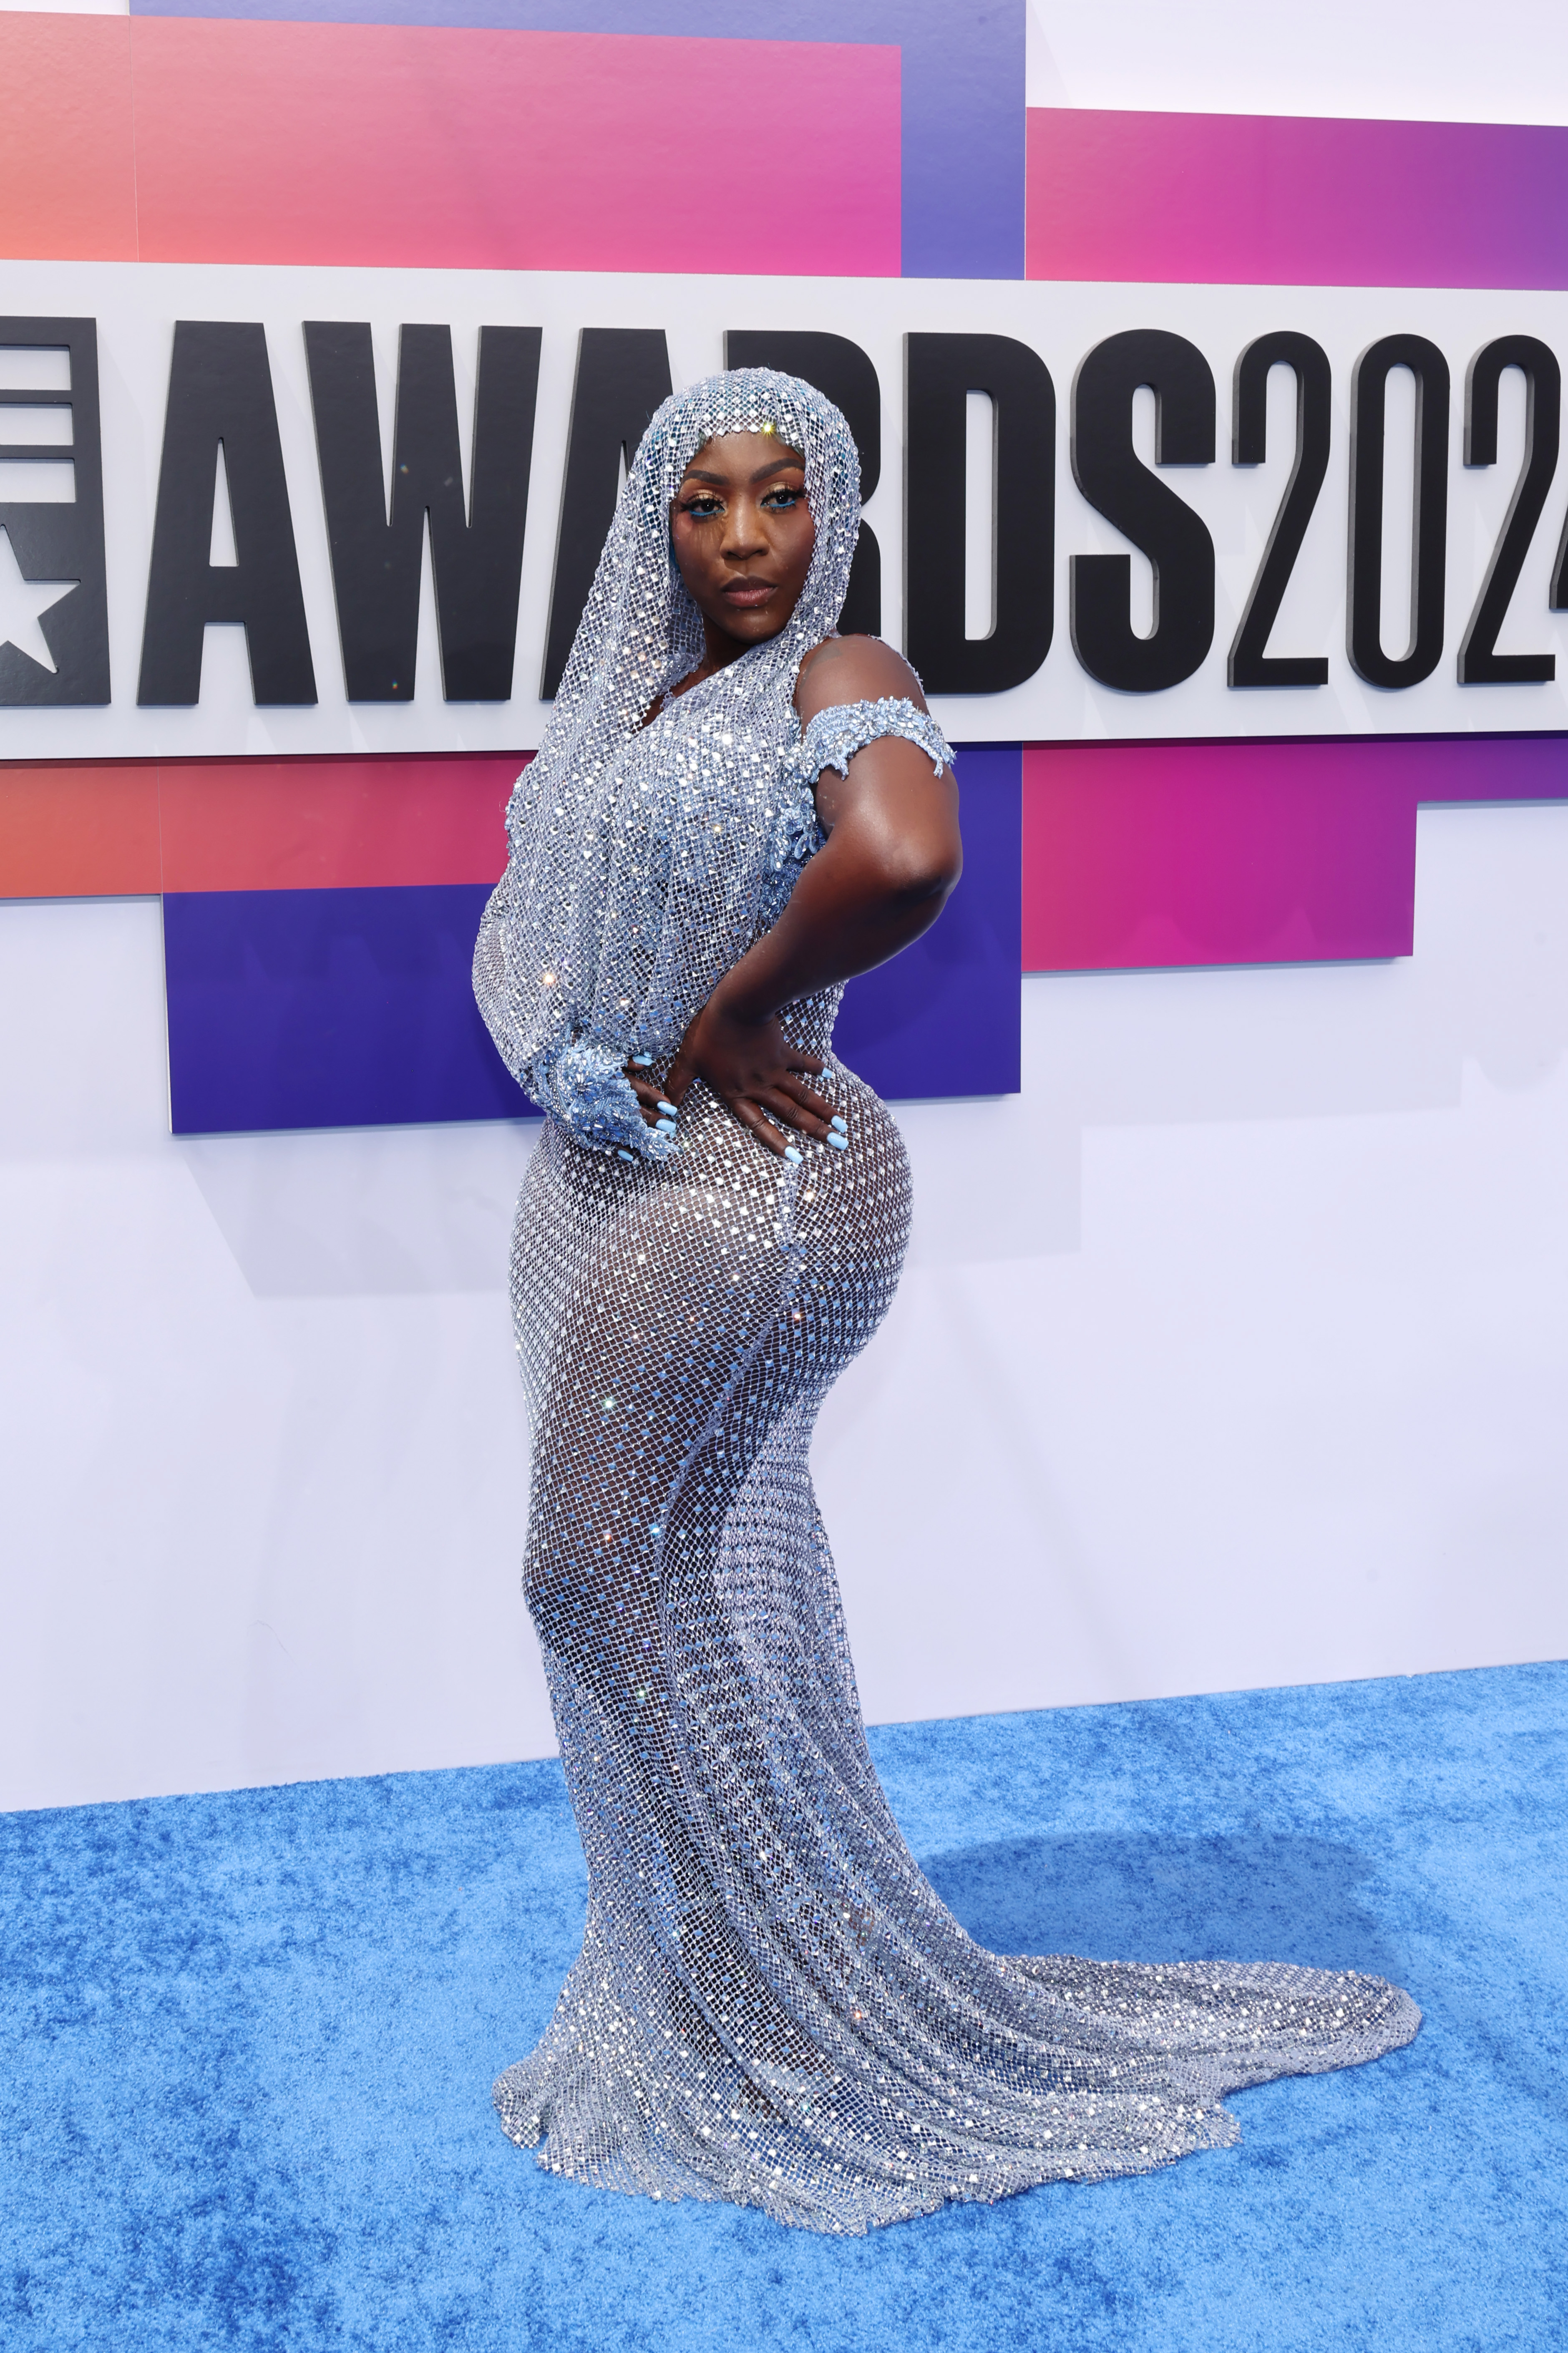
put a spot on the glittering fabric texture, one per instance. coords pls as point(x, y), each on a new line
point(770, 2005)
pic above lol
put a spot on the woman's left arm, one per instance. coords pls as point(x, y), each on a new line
point(892, 856)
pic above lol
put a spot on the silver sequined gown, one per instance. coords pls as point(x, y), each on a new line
point(771, 2005)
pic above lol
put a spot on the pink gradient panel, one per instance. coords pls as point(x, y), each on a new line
point(1216, 199)
point(320, 825)
point(1140, 856)
point(420, 146)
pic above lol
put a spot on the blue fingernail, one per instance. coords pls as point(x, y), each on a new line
point(839, 1120)
point(670, 1107)
point(791, 1154)
point(665, 1127)
point(839, 1143)
point(624, 1156)
point(643, 1059)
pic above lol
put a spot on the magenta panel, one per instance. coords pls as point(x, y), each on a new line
point(1140, 856)
point(1220, 200)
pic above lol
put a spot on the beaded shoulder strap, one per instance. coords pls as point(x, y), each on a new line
point(832, 739)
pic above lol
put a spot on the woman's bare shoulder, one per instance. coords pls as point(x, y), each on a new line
point(853, 670)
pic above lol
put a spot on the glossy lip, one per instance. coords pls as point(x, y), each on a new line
point(749, 592)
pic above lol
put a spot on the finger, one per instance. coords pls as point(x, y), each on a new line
point(797, 1059)
point(806, 1097)
point(679, 1079)
point(657, 1109)
point(762, 1127)
point(790, 1114)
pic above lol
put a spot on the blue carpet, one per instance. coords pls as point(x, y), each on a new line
point(248, 2041)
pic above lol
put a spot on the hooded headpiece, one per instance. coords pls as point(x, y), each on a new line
point(644, 860)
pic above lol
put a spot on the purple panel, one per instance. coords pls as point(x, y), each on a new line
point(354, 1008)
point(963, 116)
point(943, 1018)
point(1490, 767)
point(328, 1009)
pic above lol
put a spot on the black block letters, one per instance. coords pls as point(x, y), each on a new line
point(1363, 615)
point(1144, 509)
point(942, 370)
point(222, 418)
point(476, 544)
point(623, 374)
point(1481, 664)
point(1249, 665)
point(220, 391)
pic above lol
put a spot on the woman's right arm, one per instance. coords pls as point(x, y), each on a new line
point(892, 855)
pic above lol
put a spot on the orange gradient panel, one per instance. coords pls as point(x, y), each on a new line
point(67, 181)
point(79, 832)
point(323, 825)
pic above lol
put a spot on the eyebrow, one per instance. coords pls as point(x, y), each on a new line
point(779, 465)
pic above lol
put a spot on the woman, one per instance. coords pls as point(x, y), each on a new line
point(735, 811)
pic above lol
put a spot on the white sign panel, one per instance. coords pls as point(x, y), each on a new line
point(259, 594)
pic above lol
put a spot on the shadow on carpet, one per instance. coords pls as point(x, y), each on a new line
point(1271, 1898)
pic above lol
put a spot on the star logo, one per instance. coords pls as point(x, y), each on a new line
point(23, 603)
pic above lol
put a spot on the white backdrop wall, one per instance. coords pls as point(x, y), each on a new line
point(1234, 1351)
point(1390, 60)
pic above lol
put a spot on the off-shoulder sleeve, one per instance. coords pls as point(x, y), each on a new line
point(832, 739)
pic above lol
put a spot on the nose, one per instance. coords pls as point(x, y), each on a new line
point(743, 535)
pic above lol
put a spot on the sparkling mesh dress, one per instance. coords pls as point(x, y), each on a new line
point(771, 2004)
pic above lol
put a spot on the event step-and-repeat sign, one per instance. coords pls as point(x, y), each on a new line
point(1092, 511)
point(363, 518)
point(1220, 528)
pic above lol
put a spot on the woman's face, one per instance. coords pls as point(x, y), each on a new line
point(743, 535)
